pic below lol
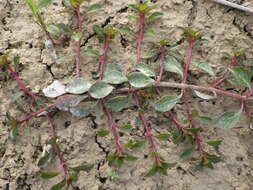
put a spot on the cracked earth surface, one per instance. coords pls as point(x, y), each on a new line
point(226, 30)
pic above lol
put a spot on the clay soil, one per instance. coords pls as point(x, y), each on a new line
point(226, 30)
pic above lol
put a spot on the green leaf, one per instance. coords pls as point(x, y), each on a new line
point(145, 69)
point(43, 3)
point(188, 153)
point(228, 120)
point(139, 80)
point(76, 3)
point(154, 16)
point(166, 103)
point(205, 67)
point(115, 160)
point(203, 95)
point(33, 8)
point(163, 137)
point(45, 159)
point(59, 185)
point(134, 8)
point(150, 32)
point(49, 175)
point(242, 76)
point(137, 146)
point(103, 133)
point(126, 31)
point(130, 158)
point(90, 51)
point(152, 172)
point(168, 165)
point(4, 59)
point(126, 128)
point(114, 77)
point(214, 143)
point(67, 102)
point(248, 62)
point(78, 86)
point(118, 103)
point(73, 177)
point(99, 32)
point(77, 36)
point(83, 109)
point(54, 29)
point(100, 90)
point(205, 120)
point(14, 133)
point(86, 168)
point(94, 8)
point(172, 65)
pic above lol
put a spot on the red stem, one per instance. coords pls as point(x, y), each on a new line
point(103, 58)
point(34, 114)
point(57, 150)
point(113, 127)
point(198, 138)
point(162, 59)
point(148, 131)
point(78, 43)
point(140, 36)
point(20, 82)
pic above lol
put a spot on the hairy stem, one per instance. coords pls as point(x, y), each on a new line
point(103, 58)
point(21, 85)
point(198, 138)
point(113, 127)
point(57, 150)
point(148, 131)
point(140, 36)
point(78, 43)
point(34, 114)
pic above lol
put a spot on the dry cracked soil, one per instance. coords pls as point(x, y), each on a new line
point(225, 28)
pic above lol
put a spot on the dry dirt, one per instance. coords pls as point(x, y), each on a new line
point(226, 30)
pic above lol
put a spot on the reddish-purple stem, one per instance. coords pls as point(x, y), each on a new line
point(148, 131)
point(103, 58)
point(113, 127)
point(140, 36)
point(162, 59)
point(78, 43)
point(57, 150)
point(20, 82)
point(198, 138)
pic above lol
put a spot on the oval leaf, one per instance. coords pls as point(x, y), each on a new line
point(54, 90)
point(139, 80)
point(59, 185)
point(154, 16)
point(114, 77)
point(188, 153)
point(95, 7)
point(49, 175)
point(145, 69)
point(205, 67)
point(118, 103)
point(78, 86)
point(65, 102)
point(103, 133)
point(100, 90)
point(166, 103)
point(45, 159)
point(85, 168)
point(242, 76)
point(228, 120)
point(84, 109)
point(172, 65)
point(203, 95)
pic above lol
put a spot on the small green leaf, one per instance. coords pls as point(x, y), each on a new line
point(103, 133)
point(77, 36)
point(205, 120)
point(203, 95)
point(188, 153)
point(90, 51)
point(100, 90)
point(78, 86)
point(139, 80)
point(14, 133)
point(114, 77)
point(162, 170)
point(137, 146)
point(118, 103)
point(248, 62)
point(99, 32)
point(94, 8)
point(43, 3)
point(154, 16)
point(4, 59)
point(115, 160)
point(45, 159)
point(214, 143)
point(166, 103)
point(54, 29)
point(130, 158)
point(242, 76)
point(205, 67)
point(145, 69)
point(126, 31)
point(86, 168)
point(163, 137)
point(228, 120)
point(49, 175)
point(150, 33)
point(172, 65)
point(168, 165)
point(134, 8)
point(59, 185)
point(83, 109)
point(52, 141)
point(73, 177)
point(152, 172)
point(126, 128)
